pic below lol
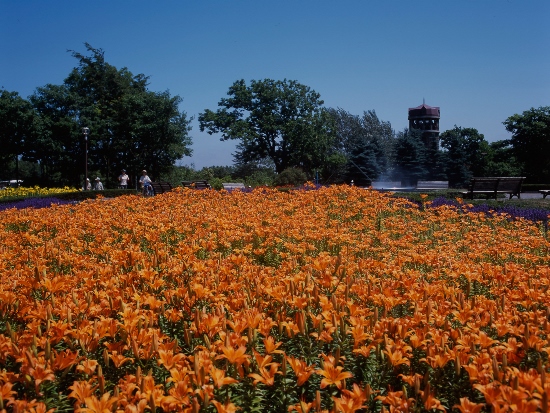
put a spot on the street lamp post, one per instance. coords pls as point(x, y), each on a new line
point(85, 132)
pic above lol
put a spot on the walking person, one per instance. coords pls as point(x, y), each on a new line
point(98, 185)
point(88, 185)
point(123, 179)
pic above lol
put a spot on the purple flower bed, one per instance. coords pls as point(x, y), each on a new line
point(35, 203)
point(533, 214)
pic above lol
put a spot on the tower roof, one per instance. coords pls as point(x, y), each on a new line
point(424, 110)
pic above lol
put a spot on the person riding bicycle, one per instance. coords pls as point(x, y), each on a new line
point(145, 182)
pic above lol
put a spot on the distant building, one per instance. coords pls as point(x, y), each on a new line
point(426, 119)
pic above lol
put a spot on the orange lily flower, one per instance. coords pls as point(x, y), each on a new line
point(219, 378)
point(266, 376)
point(119, 359)
point(41, 374)
point(58, 330)
point(301, 369)
point(466, 406)
point(6, 392)
point(396, 358)
point(345, 404)
point(88, 366)
point(263, 361)
point(484, 340)
point(333, 375)
point(364, 350)
point(359, 335)
point(237, 356)
point(491, 392)
point(271, 346)
point(64, 359)
point(179, 394)
point(81, 390)
point(438, 361)
point(397, 401)
point(224, 408)
point(302, 407)
point(354, 398)
point(95, 405)
point(168, 359)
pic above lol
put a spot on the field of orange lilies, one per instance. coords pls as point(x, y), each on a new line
point(332, 300)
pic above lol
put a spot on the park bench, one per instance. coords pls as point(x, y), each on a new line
point(161, 187)
point(545, 193)
point(196, 184)
point(494, 186)
point(432, 185)
point(229, 186)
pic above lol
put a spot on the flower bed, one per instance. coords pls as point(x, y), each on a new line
point(35, 203)
point(22, 192)
point(339, 299)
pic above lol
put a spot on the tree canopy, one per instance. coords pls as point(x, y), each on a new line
point(467, 154)
point(18, 121)
point(531, 142)
point(130, 126)
point(280, 120)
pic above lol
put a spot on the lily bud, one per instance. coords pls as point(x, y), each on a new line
point(318, 401)
point(138, 375)
point(106, 357)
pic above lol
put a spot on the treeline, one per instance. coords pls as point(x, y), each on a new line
point(130, 127)
point(285, 135)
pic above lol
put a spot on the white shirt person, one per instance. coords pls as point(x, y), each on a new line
point(98, 186)
point(123, 179)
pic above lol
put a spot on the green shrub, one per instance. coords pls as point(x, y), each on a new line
point(291, 176)
point(216, 183)
point(263, 177)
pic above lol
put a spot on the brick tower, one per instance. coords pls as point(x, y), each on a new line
point(426, 119)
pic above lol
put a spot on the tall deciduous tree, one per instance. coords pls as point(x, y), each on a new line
point(531, 142)
point(58, 147)
point(280, 120)
point(130, 126)
point(502, 161)
point(467, 154)
point(17, 127)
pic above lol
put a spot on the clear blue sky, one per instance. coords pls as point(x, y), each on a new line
point(479, 60)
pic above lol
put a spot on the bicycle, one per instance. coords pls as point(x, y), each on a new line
point(147, 190)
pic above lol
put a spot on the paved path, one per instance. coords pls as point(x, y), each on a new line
point(532, 195)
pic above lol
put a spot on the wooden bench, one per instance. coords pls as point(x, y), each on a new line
point(229, 186)
point(494, 186)
point(545, 193)
point(161, 187)
point(196, 184)
point(432, 185)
